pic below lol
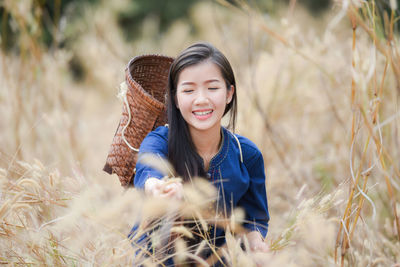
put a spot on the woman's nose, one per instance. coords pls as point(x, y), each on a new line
point(201, 98)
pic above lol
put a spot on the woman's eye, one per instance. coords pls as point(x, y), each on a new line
point(187, 90)
point(213, 88)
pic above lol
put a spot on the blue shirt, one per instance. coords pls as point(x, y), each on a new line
point(239, 182)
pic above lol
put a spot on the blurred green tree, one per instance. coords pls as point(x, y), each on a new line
point(166, 11)
point(42, 20)
point(48, 15)
point(385, 7)
point(316, 6)
point(39, 19)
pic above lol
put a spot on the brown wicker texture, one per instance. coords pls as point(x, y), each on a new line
point(146, 78)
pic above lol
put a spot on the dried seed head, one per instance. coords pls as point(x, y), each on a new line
point(158, 163)
point(237, 218)
point(393, 5)
point(181, 250)
point(181, 230)
point(29, 182)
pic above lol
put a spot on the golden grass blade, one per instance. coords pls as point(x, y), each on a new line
point(157, 163)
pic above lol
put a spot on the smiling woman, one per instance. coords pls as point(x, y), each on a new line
point(201, 90)
point(202, 96)
point(202, 70)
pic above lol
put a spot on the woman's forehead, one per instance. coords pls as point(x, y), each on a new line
point(204, 72)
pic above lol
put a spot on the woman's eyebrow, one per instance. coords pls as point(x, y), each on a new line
point(187, 83)
point(212, 80)
point(193, 83)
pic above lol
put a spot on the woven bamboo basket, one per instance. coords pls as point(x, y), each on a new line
point(146, 78)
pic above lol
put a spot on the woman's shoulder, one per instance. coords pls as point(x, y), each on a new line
point(155, 140)
point(247, 144)
point(248, 148)
point(160, 132)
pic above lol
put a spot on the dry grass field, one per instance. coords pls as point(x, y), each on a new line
point(318, 95)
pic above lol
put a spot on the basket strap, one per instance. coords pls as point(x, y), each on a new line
point(123, 89)
point(240, 147)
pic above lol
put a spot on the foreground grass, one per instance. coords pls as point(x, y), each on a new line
point(318, 96)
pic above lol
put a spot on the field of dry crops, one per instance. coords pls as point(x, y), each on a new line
point(318, 95)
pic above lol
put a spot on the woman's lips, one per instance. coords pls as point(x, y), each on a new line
point(203, 114)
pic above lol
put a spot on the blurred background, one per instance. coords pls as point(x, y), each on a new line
point(318, 87)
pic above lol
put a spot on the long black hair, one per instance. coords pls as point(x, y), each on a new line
point(181, 150)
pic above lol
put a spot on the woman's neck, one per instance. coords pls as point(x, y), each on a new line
point(207, 143)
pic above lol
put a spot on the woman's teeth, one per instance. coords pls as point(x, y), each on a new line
point(202, 112)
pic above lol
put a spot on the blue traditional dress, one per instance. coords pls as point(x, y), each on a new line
point(237, 171)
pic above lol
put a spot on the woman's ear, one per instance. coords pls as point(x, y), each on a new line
point(229, 95)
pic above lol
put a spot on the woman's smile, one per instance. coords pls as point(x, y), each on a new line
point(203, 114)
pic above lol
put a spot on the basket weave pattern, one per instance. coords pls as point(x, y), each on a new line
point(146, 78)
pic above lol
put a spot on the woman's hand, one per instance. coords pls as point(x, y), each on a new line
point(256, 242)
point(160, 188)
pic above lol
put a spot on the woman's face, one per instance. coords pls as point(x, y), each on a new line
point(202, 96)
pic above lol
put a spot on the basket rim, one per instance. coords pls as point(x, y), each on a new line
point(160, 56)
point(139, 87)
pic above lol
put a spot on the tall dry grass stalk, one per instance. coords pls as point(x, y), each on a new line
point(365, 15)
point(319, 96)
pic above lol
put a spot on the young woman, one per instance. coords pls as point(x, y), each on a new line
point(201, 90)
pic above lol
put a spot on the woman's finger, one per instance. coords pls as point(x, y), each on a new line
point(172, 186)
point(173, 190)
point(153, 186)
point(260, 247)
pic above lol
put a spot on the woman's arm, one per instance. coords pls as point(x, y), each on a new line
point(156, 143)
point(150, 179)
point(255, 203)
